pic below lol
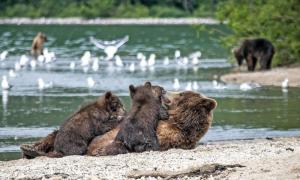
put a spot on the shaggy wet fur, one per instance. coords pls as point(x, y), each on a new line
point(77, 131)
point(190, 118)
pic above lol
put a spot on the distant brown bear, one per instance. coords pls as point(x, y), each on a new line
point(190, 117)
point(254, 50)
point(37, 44)
point(77, 131)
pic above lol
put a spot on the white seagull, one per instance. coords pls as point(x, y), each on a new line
point(151, 60)
point(110, 47)
point(72, 65)
point(42, 85)
point(188, 86)
point(5, 84)
point(166, 61)
point(176, 84)
point(285, 83)
point(177, 54)
point(90, 82)
point(95, 65)
point(3, 55)
point(119, 61)
point(11, 73)
point(132, 67)
point(195, 85)
point(23, 60)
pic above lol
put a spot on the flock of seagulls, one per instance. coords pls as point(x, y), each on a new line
point(110, 48)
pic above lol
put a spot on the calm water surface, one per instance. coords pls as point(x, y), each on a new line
point(26, 114)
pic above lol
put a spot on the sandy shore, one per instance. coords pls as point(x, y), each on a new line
point(110, 21)
point(277, 158)
point(266, 78)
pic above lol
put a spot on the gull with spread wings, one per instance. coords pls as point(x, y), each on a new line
point(110, 47)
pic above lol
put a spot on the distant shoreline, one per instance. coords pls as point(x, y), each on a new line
point(110, 21)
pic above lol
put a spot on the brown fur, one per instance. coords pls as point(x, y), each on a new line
point(46, 145)
point(190, 117)
point(37, 44)
point(138, 130)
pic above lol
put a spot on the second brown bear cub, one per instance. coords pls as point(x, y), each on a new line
point(138, 130)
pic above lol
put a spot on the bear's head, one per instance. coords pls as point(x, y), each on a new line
point(237, 52)
point(142, 94)
point(190, 111)
point(112, 105)
point(42, 37)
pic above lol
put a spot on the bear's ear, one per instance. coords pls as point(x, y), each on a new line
point(209, 103)
point(132, 90)
point(148, 85)
point(108, 96)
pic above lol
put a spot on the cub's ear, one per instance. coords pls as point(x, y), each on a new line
point(132, 90)
point(108, 95)
point(209, 103)
point(148, 85)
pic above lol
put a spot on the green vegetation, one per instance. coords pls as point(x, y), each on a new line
point(107, 8)
point(275, 20)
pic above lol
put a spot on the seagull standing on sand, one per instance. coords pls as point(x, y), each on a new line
point(5, 84)
point(285, 83)
point(110, 47)
point(176, 84)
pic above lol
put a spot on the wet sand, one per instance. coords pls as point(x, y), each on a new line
point(110, 21)
point(277, 158)
point(266, 78)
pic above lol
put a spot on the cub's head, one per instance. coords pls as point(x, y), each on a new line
point(112, 105)
point(142, 94)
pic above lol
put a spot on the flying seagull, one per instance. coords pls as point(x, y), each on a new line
point(110, 47)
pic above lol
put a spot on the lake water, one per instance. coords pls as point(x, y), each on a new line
point(26, 113)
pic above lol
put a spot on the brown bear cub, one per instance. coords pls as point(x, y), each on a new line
point(77, 131)
point(254, 50)
point(190, 118)
point(37, 44)
point(138, 130)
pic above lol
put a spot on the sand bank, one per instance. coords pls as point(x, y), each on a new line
point(277, 158)
point(266, 78)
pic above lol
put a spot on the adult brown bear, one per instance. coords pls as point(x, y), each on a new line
point(78, 130)
point(37, 44)
point(254, 50)
point(190, 117)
